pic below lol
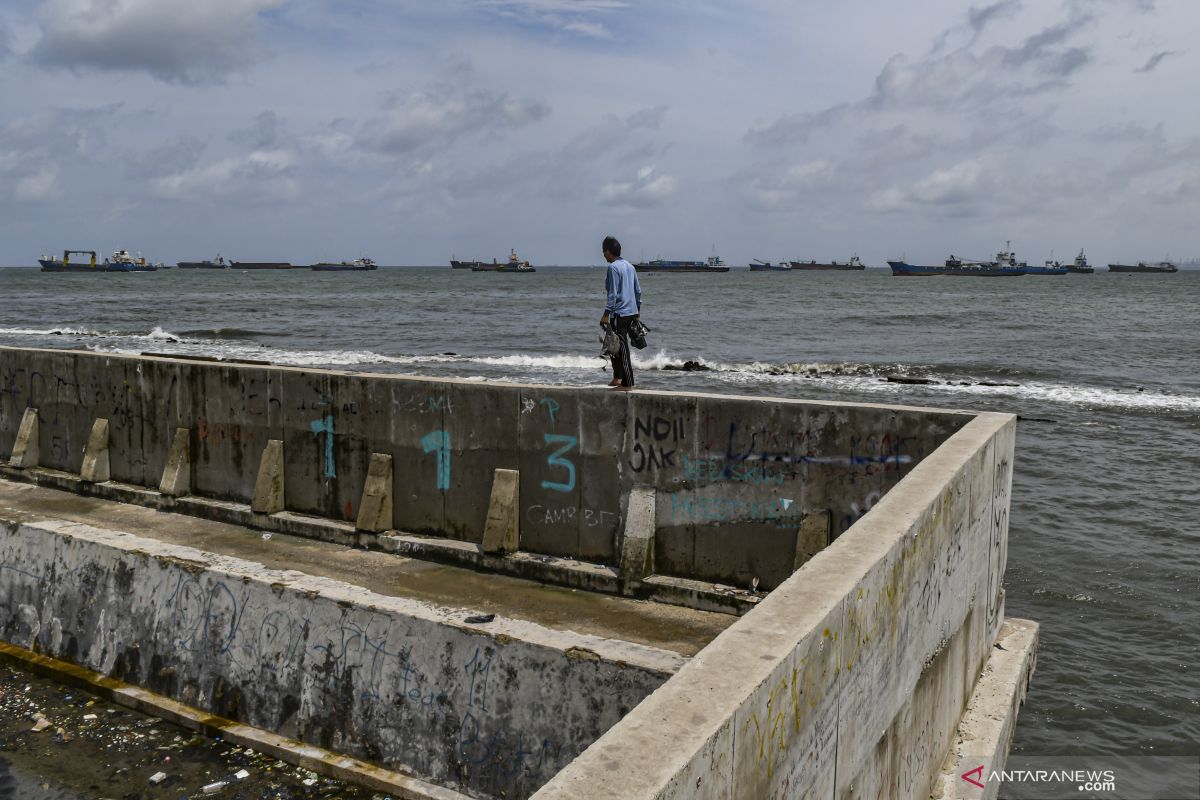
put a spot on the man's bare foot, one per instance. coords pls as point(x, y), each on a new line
point(614, 382)
point(622, 388)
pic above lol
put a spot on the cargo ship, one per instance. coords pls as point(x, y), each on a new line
point(514, 264)
point(1005, 265)
point(357, 265)
point(852, 265)
point(456, 264)
point(119, 261)
point(1080, 265)
point(216, 263)
point(264, 265)
point(1144, 266)
point(758, 265)
point(711, 264)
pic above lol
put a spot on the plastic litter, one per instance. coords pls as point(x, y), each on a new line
point(158, 778)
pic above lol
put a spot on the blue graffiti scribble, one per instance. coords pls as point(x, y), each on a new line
point(552, 407)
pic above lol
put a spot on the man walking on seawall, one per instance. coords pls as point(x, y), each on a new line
point(623, 308)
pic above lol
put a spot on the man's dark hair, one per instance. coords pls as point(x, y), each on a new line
point(612, 245)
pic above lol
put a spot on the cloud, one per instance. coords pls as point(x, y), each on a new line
point(1155, 60)
point(177, 41)
point(258, 176)
point(262, 133)
point(580, 17)
point(960, 81)
point(647, 188)
point(420, 122)
point(34, 148)
point(166, 159)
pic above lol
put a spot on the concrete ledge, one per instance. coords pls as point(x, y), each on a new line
point(438, 691)
point(574, 574)
point(316, 759)
point(986, 729)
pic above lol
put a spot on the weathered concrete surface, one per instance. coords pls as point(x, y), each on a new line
point(27, 449)
point(680, 630)
point(495, 709)
point(637, 537)
point(502, 531)
point(96, 467)
point(268, 486)
point(986, 729)
point(850, 678)
point(375, 510)
point(734, 477)
point(177, 474)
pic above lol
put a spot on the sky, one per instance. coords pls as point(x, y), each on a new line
point(412, 132)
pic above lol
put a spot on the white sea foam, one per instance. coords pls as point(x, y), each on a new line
point(558, 368)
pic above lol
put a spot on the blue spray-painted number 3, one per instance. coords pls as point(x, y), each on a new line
point(556, 459)
point(439, 441)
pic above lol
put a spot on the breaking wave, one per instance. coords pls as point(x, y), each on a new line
point(921, 381)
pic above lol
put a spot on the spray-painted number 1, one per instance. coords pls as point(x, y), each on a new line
point(556, 459)
point(439, 441)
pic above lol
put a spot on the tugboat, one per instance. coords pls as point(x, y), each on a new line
point(758, 265)
point(842, 266)
point(711, 264)
point(514, 264)
point(216, 263)
point(1005, 265)
point(357, 265)
point(1080, 265)
point(1144, 266)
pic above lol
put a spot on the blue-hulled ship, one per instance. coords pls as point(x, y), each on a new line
point(1050, 268)
point(1005, 265)
point(120, 261)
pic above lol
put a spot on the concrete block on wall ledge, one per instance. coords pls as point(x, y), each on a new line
point(177, 475)
point(268, 486)
point(502, 532)
point(375, 509)
point(26, 448)
point(637, 540)
point(95, 468)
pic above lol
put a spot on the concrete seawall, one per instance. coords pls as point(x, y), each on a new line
point(880, 532)
point(734, 478)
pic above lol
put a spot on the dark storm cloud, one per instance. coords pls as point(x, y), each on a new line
point(1155, 60)
point(176, 41)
